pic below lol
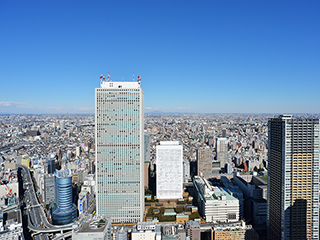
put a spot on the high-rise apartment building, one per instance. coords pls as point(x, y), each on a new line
point(222, 151)
point(119, 151)
point(169, 170)
point(204, 161)
point(293, 182)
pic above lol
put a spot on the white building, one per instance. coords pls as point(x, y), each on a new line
point(169, 170)
point(146, 231)
point(119, 139)
point(96, 229)
point(215, 204)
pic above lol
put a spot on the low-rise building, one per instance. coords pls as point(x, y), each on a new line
point(146, 231)
point(11, 225)
point(94, 229)
point(170, 231)
point(120, 233)
point(235, 231)
point(193, 230)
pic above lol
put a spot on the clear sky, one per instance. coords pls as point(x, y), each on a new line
point(217, 56)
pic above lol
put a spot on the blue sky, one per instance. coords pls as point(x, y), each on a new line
point(193, 56)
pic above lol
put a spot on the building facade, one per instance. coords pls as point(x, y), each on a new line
point(204, 161)
point(64, 211)
point(93, 229)
point(48, 188)
point(193, 230)
point(293, 182)
point(146, 231)
point(215, 204)
point(235, 231)
point(169, 170)
point(119, 150)
point(222, 151)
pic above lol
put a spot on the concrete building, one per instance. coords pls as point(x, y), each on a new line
point(255, 192)
point(222, 150)
point(170, 231)
point(78, 151)
point(234, 231)
point(215, 204)
point(11, 225)
point(62, 125)
point(51, 165)
point(293, 181)
point(119, 151)
point(228, 168)
point(146, 146)
point(120, 233)
point(96, 229)
point(236, 192)
point(193, 230)
point(186, 170)
point(204, 161)
point(169, 170)
point(9, 165)
point(49, 188)
point(216, 167)
point(211, 141)
point(146, 231)
point(146, 158)
point(23, 160)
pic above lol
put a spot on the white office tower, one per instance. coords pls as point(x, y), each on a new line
point(169, 170)
point(119, 151)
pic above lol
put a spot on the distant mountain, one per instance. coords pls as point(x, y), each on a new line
point(154, 112)
point(159, 112)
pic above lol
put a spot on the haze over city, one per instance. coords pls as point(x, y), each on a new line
point(208, 57)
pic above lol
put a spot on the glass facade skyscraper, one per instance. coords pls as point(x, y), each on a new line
point(64, 211)
point(119, 135)
point(293, 181)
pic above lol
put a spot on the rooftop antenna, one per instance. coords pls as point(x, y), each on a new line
point(139, 80)
point(108, 77)
point(133, 77)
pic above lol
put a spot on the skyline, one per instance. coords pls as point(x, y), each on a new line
point(214, 57)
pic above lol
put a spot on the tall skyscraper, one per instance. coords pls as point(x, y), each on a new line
point(293, 181)
point(169, 170)
point(204, 161)
point(63, 211)
point(222, 151)
point(119, 151)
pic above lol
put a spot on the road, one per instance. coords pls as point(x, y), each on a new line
point(36, 214)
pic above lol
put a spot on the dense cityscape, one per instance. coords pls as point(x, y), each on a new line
point(123, 174)
point(205, 128)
